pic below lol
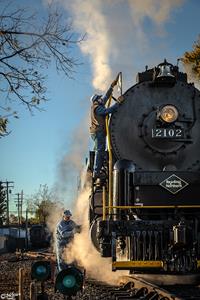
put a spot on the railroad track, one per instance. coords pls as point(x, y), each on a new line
point(129, 287)
point(166, 292)
point(130, 290)
point(138, 289)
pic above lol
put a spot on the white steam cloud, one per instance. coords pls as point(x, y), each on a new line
point(116, 36)
point(72, 161)
point(82, 250)
point(158, 11)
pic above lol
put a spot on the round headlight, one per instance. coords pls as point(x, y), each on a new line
point(168, 114)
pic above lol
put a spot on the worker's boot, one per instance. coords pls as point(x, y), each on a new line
point(97, 182)
point(96, 179)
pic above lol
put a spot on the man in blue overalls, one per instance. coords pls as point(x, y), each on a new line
point(65, 231)
point(98, 126)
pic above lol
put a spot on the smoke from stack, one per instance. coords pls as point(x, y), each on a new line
point(116, 38)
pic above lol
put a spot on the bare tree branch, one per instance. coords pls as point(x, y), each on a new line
point(24, 53)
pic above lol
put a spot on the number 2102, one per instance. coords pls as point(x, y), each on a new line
point(167, 133)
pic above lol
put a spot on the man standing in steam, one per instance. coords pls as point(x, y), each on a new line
point(98, 127)
point(65, 231)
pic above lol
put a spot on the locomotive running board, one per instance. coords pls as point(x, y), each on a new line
point(123, 265)
point(139, 264)
point(198, 264)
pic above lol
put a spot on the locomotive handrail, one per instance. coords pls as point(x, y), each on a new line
point(110, 200)
point(110, 208)
point(150, 206)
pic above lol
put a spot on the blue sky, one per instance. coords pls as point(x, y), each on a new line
point(120, 37)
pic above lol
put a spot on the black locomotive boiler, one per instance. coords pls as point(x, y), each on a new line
point(146, 216)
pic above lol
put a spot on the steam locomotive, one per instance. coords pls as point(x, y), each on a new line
point(146, 214)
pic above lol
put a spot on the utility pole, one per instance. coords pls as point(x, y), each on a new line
point(19, 208)
point(22, 199)
point(8, 185)
point(26, 228)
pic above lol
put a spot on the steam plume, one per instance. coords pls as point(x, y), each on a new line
point(82, 249)
point(71, 163)
point(116, 38)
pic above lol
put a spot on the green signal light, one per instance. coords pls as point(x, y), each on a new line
point(69, 281)
point(41, 270)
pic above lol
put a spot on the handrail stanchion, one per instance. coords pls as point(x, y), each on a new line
point(110, 178)
point(104, 203)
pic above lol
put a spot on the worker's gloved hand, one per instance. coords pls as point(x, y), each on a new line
point(67, 234)
point(113, 84)
point(121, 99)
point(78, 228)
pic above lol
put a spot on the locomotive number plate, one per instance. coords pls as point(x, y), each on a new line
point(167, 133)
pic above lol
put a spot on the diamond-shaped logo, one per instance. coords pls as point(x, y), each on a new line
point(174, 184)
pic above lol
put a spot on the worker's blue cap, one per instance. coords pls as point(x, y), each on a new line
point(95, 97)
point(67, 213)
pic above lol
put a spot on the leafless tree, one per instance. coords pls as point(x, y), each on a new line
point(42, 203)
point(27, 47)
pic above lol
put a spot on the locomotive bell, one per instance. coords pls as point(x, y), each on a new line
point(165, 72)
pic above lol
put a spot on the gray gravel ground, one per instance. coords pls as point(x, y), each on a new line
point(9, 274)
